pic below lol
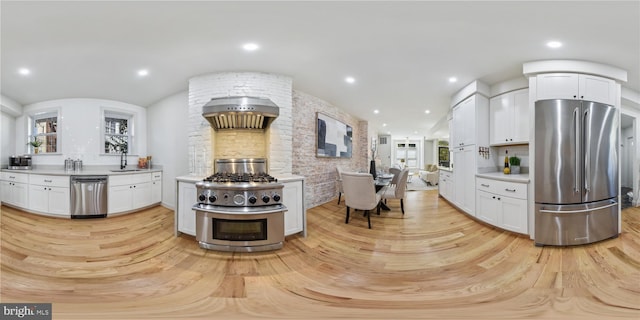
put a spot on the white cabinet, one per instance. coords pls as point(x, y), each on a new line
point(464, 171)
point(49, 194)
point(502, 204)
point(445, 185)
point(576, 86)
point(463, 123)
point(15, 188)
point(509, 118)
point(129, 192)
point(156, 187)
point(186, 217)
point(293, 199)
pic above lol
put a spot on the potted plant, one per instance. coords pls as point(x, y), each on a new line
point(514, 163)
point(35, 143)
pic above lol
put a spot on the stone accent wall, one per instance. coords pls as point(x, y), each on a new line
point(320, 173)
point(275, 144)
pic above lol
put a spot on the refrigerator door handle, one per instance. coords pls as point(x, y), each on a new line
point(578, 211)
point(587, 152)
point(576, 186)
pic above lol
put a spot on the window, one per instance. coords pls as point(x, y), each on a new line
point(118, 132)
point(43, 128)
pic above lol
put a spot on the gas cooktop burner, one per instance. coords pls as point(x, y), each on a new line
point(240, 177)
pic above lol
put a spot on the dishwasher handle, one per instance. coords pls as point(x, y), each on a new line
point(89, 179)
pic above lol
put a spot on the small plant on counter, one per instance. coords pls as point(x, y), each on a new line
point(35, 143)
point(514, 161)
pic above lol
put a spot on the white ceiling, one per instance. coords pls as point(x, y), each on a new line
point(401, 53)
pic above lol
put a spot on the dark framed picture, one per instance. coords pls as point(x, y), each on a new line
point(334, 138)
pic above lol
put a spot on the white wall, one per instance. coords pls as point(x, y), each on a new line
point(80, 133)
point(168, 132)
point(7, 137)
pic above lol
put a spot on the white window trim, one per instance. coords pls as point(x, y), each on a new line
point(118, 113)
point(39, 114)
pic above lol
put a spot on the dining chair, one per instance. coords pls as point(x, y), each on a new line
point(399, 190)
point(360, 193)
point(395, 172)
point(339, 183)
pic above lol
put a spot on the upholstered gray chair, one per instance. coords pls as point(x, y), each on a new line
point(395, 172)
point(360, 193)
point(339, 183)
point(399, 190)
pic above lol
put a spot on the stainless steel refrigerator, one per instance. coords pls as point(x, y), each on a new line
point(576, 172)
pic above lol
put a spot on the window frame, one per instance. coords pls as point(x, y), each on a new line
point(32, 119)
point(131, 126)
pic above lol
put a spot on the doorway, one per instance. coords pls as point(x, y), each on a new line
point(628, 147)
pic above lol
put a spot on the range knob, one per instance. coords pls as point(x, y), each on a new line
point(276, 197)
point(202, 197)
point(252, 199)
point(265, 198)
point(213, 198)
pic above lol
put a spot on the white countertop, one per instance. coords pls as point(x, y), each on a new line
point(522, 177)
point(86, 171)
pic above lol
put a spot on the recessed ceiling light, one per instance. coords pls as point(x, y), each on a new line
point(427, 111)
point(554, 44)
point(388, 132)
point(24, 71)
point(350, 79)
point(143, 72)
point(453, 79)
point(376, 111)
point(250, 46)
point(384, 124)
point(415, 132)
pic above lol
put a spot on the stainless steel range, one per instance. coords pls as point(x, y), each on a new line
point(239, 208)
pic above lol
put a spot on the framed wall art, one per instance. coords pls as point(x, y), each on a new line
point(334, 138)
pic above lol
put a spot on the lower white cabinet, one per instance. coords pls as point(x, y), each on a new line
point(464, 179)
point(15, 189)
point(293, 199)
point(445, 184)
point(502, 204)
point(49, 194)
point(156, 187)
point(129, 192)
point(186, 217)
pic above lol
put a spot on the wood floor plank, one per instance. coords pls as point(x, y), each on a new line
point(432, 263)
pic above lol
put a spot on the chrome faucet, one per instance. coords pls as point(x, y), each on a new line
point(123, 159)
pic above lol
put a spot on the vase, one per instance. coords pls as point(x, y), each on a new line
point(515, 169)
point(36, 150)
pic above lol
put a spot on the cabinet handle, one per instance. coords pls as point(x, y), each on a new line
point(575, 96)
point(484, 185)
point(581, 97)
point(49, 189)
point(12, 177)
point(510, 190)
point(493, 197)
point(45, 180)
point(498, 198)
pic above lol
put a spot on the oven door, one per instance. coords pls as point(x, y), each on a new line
point(241, 229)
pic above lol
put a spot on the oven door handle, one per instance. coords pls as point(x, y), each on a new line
point(240, 210)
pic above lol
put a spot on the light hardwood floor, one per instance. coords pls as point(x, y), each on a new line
point(435, 263)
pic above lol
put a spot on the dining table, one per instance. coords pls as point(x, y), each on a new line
point(382, 181)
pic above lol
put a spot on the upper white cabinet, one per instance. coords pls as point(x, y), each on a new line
point(15, 188)
point(576, 86)
point(470, 123)
point(509, 118)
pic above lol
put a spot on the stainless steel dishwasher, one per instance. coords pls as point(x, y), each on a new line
point(88, 197)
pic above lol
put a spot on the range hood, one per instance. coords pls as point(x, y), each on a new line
point(240, 112)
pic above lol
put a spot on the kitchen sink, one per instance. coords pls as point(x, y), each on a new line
point(124, 170)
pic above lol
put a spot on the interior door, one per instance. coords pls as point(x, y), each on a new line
point(601, 151)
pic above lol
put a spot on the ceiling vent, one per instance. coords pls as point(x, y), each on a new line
point(240, 113)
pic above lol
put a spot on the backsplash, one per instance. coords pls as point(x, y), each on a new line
point(521, 151)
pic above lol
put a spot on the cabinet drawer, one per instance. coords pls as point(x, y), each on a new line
point(503, 188)
point(140, 178)
point(125, 179)
point(54, 181)
point(155, 176)
point(15, 177)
